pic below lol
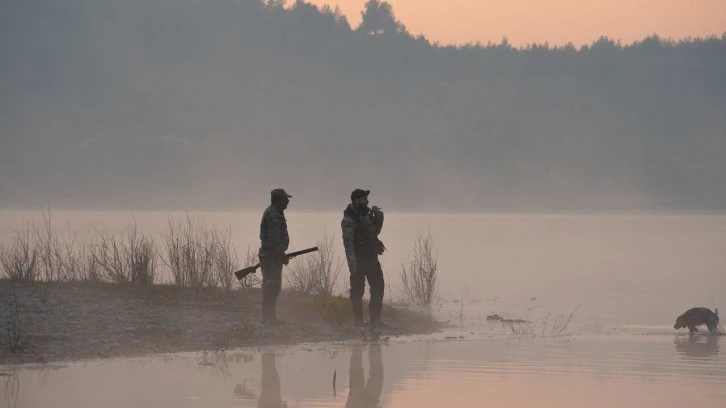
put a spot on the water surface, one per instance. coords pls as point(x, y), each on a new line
point(623, 279)
point(635, 369)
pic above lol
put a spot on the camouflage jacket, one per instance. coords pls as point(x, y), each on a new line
point(273, 232)
point(360, 230)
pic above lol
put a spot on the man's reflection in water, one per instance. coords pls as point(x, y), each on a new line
point(704, 345)
point(362, 394)
point(12, 389)
point(270, 393)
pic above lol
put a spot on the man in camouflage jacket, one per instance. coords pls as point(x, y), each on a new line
point(274, 242)
point(361, 227)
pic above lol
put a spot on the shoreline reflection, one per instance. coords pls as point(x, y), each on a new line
point(271, 389)
point(698, 346)
point(362, 393)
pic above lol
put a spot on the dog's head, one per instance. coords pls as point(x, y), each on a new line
point(680, 322)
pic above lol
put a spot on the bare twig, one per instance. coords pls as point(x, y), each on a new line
point(19, 257)
point(225, 258)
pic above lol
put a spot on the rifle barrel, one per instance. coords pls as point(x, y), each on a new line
point(240, 274)
point(304, 251)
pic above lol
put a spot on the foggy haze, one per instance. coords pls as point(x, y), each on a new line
point(210, 104)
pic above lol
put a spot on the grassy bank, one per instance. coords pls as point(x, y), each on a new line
point(62, 321)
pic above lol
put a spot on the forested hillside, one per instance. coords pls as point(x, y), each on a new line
point(210, 104)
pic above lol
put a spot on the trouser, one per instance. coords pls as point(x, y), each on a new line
point(271, 286)
point(368, 268)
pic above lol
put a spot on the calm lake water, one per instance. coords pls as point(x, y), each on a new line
point(643, 368)
point(625, 278)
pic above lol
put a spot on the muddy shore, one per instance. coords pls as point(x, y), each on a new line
point(80, 321)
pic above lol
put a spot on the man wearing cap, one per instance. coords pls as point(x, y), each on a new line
point(274, 242)
point(361, 227)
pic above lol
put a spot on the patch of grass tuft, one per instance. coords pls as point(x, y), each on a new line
point(334, 309)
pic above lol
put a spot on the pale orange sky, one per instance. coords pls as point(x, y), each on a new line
point(553, 21)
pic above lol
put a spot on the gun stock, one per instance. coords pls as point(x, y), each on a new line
point(242, 273)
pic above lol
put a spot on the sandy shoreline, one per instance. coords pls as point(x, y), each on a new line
point(81, 321)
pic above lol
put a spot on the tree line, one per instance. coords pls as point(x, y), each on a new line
point(187, 103)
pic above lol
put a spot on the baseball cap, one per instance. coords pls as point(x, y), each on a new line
point(279, 193)
point(358, 193)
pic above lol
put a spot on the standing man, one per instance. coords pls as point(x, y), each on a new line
point(361, 227)
point(274, 242)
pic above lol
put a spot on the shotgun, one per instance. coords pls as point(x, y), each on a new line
point(240, 274)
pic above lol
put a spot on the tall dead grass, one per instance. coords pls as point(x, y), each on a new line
point(195, 254)
point(316, 273)
point(190, 253)
point(198, 255)
point(37, 252)
point(128, 258)
point(19, 257)
point(419, 275)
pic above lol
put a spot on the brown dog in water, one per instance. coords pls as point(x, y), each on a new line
point(696, 317)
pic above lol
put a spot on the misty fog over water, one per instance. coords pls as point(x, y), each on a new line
point(193, 105)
